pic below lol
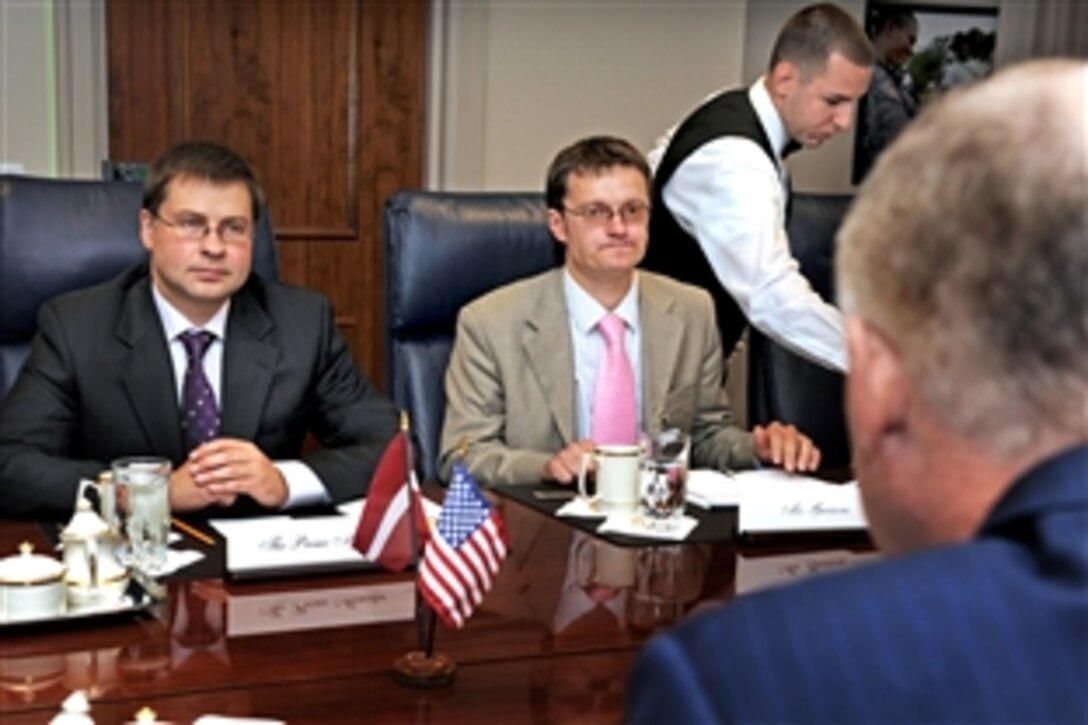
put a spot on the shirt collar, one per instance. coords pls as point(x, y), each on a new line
point(174, 322)
point(768, 116)
point(586, 312)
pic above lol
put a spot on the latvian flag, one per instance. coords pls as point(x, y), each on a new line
point(384, 534)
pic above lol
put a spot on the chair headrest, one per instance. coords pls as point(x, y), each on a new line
point(444, 249)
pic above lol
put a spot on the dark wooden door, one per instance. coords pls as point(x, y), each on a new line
point(323, 97)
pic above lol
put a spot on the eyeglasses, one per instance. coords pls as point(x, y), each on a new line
point(633, 212)
point(195, 228)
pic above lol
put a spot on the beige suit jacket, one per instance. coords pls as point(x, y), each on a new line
point(510, 387)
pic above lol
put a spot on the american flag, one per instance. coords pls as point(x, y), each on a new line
point(464, 553)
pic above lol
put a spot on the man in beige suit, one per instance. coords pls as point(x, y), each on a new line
point(520, 381)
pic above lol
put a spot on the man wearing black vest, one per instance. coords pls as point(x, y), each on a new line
point(720, 190)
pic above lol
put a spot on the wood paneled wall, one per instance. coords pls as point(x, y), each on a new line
point(323, 97)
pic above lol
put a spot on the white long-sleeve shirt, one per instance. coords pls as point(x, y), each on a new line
point(731, 198)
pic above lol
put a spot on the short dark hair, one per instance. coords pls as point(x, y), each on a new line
point(204, 160)
point(813, 33)
point(594, 154)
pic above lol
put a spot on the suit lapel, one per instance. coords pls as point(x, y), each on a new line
point(148, 373)
point(249, 363)
point(549, 354)
point(662, 332)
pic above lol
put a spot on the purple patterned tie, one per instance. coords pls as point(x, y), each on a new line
point(199, 412)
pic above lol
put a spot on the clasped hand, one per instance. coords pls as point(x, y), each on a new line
point(222, 469)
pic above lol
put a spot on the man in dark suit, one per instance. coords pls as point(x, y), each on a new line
point(192, 358)
point(967, 324)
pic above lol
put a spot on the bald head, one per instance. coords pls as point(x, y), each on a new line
point(968, 248)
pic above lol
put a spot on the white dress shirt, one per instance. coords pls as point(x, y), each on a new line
point(304, 488)
point(731, 197)
point(584, 313)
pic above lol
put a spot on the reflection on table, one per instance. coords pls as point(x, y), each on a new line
point(553, 640)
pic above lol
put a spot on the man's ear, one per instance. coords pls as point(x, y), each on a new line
point(783, 80)
point(146, 220)
point(558, 225)
point(879, 387)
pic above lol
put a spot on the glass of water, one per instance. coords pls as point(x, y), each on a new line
point(664, 478)
point(143, 487)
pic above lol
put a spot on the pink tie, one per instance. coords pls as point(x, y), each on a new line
point(614, 415)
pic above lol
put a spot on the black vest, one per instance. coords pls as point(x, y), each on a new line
point(671, 250)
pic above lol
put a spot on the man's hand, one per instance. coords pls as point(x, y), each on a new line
point(229, 467)
point(786, 447)
point(185, 495)
point(563, 466)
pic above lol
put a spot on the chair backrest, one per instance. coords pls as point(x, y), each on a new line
point(781, 385)
point(444, 249)
point(61, 235)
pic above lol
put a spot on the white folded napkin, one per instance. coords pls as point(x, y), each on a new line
point(581, 508)
point(629, 525)
point(178, 559)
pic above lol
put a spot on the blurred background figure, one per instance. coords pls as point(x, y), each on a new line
point(890, 103)
point(970, 58)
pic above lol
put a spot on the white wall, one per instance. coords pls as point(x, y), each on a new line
point(53, 101)
point(27, 92)
point(520, 80)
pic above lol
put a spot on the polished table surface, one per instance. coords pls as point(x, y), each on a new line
point(553, 641)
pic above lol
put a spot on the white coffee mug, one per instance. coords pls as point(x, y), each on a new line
point(617, 476)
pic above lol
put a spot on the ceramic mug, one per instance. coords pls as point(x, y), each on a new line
point(617, 477)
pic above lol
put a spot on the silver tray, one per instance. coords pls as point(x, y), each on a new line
point(136, 599)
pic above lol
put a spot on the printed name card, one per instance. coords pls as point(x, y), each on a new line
point(282, 543)
point(782, 503)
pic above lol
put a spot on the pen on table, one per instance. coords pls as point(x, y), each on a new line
point(195, 533)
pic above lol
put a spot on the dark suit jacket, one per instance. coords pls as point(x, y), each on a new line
point(992, 630)
point(99, 384)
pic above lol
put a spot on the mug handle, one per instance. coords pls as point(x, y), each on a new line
point(583, 466)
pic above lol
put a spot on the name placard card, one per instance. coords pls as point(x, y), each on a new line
point(282, 543)
point(782, 503)
point(770, 500)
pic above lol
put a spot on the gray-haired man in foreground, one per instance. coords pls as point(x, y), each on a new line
point(966, 294)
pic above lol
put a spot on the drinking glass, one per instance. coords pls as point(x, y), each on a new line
point(664, 478)
point(143, 484)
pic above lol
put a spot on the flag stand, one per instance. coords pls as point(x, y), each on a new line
point(421, 668)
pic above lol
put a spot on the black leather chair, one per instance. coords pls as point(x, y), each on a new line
point(443, 250)
point(61, 235)
point(781, 385)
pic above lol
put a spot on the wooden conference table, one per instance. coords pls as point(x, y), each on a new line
point(553, 641)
